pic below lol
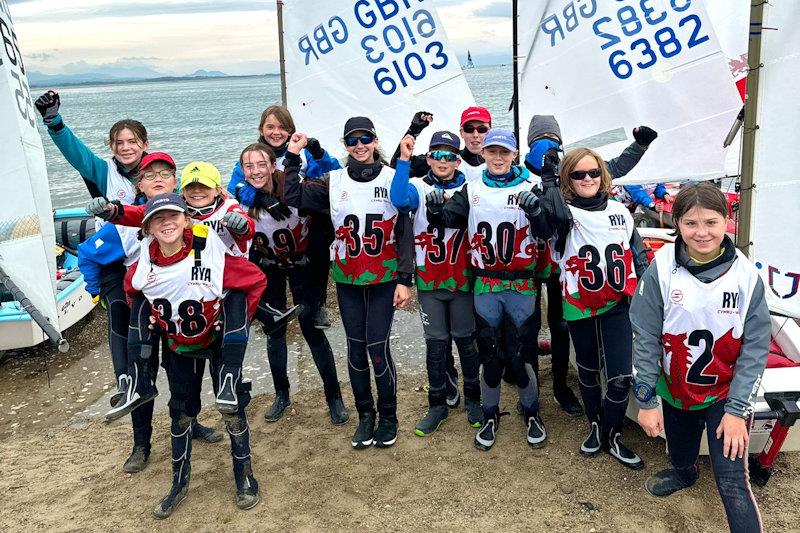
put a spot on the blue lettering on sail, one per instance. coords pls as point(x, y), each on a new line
point(636, 33)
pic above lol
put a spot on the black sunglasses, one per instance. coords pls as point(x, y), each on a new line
point(352, 141)
point(580, 174)
point(469, 128)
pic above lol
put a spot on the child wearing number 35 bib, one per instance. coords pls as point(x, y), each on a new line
point(702, 333)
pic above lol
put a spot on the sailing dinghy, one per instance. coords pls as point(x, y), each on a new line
point(44, 292)
point(603, 68)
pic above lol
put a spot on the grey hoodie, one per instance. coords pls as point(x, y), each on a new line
point(647, 319)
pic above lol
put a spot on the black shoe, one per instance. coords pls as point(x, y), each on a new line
point(622, 453)
point(568, 402)
point(365, 432)
point(247, 495)
point(484, 439)
point(140, 390)
point(591, 444)
point(451, 386)
point(123, 382)
point(537, 437)
point(279, 405)
point(321, 320)
point(227, 400)
point(181, 470)
point(474, 412)
point(137, 461)
point(277, 318)
point(386, 434)
point(434, 418)
point(339, 414)
point(170, 502)
point(205, 433)
point(667, 482)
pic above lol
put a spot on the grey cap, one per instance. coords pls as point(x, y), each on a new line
point(542, 125)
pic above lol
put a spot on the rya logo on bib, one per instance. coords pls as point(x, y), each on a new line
point(730, 303)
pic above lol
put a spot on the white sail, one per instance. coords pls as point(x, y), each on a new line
point(776, 215)
point(603, 68)
point(383, 60)
point(27, 239)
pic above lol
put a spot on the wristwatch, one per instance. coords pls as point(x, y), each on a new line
point(643, 392)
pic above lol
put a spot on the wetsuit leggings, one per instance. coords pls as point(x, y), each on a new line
point(559, 332)
point(492, 308)
point(302, 293)
point(603, 343)
point(319, 241)
point(118, 314)
point(449, 315)
point(367, 312)
point(684, 430)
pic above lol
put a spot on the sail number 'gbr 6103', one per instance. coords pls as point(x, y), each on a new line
point(405, 49)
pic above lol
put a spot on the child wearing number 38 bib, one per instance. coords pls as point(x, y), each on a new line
point(702, 333)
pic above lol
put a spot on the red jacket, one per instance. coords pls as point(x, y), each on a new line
point(238, 274)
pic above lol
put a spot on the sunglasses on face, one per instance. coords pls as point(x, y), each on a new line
point(578, 175)
point(163, 174)
point(364, 139)
point(469, 128)
point(438, 155)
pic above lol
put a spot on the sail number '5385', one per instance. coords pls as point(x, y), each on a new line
point(17, 71)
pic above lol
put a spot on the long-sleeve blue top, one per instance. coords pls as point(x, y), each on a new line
point(404, 195)
point(314, 168)
point(91, 167)
point(101, 249)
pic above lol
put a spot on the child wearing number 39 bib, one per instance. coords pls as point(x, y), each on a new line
point(702, 333)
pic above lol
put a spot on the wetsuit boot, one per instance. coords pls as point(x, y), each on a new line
point(247, 495)
point(181, 432)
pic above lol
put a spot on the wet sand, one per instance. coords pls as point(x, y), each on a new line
point(60, 465)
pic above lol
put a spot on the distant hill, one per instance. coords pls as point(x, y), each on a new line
point(112, 74)
point(207, 74)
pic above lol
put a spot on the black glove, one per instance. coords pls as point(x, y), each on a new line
point(313, 147)
point(418, 123)
point(48, 105)
point(434, 200)
point(550, 168)
point(277, 209)
point(644, 136)
point(529, 203)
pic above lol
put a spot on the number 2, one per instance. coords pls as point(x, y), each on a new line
point(696, 375)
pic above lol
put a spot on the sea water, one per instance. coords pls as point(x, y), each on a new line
point(201, 119)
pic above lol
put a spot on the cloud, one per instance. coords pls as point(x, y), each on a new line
point(494, 10)
point(64, 11)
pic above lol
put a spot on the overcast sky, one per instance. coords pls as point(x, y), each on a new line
point(181, 36)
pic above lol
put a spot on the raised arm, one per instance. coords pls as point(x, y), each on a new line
point(306, 194)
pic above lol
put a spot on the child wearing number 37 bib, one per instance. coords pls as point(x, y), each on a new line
point(702, 333)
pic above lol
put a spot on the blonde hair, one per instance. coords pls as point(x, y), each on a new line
point(571, 160)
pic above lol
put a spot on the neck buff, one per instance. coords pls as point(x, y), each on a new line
point(363, 171)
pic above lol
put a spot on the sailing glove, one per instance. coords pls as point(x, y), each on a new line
point(48, 105)
point(550, 168)
point(236, 222)
point(529, 203)
point(277, 209)
point(418, 123)
point(99, 208)
point(644, 136)
point(314, 148)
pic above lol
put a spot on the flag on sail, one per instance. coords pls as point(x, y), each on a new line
point(603, 68)
point(384, 60)
point(775, 213)
point(27, 238)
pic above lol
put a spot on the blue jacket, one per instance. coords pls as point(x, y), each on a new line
point(101, 249)
point(404, 195)
point(91, 167)
point(246, 193)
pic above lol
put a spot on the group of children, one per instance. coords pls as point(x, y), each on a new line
point(477, 234)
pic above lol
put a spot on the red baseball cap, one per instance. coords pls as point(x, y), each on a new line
point(152, 157)
point(476, 113)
